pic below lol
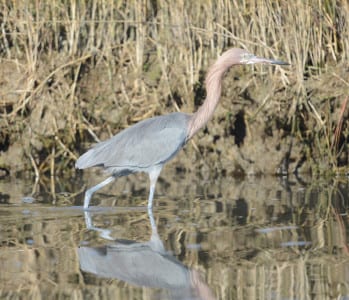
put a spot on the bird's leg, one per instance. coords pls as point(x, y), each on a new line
point(153, 176)
point(103, 233)
point(91, 190)
point(151, 219)
point(155, 241)
point(88, 220)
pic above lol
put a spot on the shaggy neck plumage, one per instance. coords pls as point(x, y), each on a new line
point(213, 89)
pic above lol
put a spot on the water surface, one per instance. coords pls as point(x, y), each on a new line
point(257, 238)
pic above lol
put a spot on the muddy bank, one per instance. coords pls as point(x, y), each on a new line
point(72, 75)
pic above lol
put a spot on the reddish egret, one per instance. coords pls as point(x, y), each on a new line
point(149, 144)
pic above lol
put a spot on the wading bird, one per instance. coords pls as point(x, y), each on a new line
point(149, 144)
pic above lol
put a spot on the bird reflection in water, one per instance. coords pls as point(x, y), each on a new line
point(145, 264)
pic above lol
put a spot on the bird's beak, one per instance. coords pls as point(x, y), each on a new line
point(262, 60)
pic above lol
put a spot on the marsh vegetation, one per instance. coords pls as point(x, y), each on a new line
point(73, 73)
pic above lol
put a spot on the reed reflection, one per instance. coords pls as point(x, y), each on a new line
point(144, 264)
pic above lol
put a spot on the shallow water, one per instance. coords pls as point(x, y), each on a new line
point(257, 238)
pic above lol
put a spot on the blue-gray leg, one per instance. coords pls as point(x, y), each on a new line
point(95, 188)
point(103, 233)
point(153, 176)
point(151, 219)
point(155, 242)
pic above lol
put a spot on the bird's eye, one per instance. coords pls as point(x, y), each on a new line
point(245, 57)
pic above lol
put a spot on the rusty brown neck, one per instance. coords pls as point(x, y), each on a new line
point(213, 88)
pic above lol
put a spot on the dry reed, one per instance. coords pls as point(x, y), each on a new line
point(74, 71)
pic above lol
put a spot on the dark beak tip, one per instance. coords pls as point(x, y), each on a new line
point(281, 63)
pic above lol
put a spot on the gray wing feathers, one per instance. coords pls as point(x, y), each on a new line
point(147, 143)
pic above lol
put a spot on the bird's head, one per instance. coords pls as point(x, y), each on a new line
point(236, 56)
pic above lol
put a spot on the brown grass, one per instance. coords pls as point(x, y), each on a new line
point(75, 72)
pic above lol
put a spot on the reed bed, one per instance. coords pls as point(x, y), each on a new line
point(75, 72)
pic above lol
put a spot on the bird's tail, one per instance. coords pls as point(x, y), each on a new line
point(87, 160)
